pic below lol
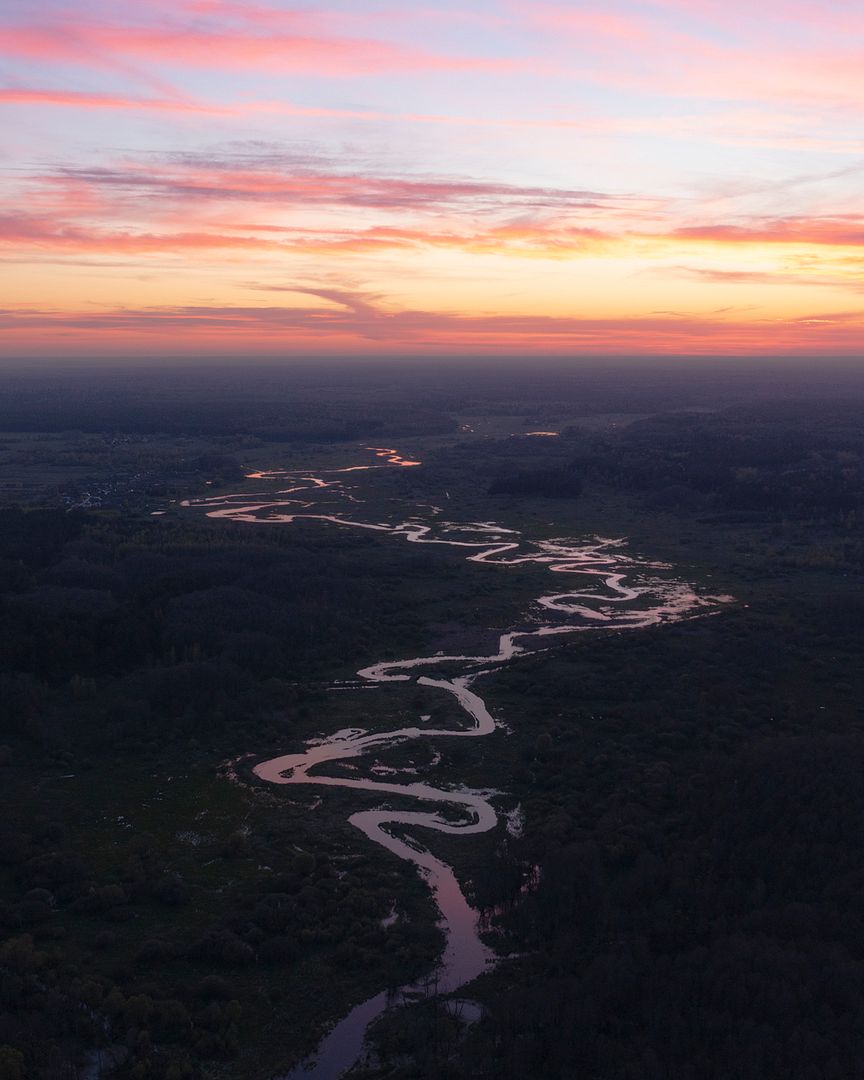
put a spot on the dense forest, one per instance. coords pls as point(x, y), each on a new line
point(687, 897)
point(772, 461)
point(684, 899)
point(160, 628)
point(144, 646)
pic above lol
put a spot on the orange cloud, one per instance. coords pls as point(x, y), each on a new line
point(356, 321)
point(542, 236)
point(834, 232)
point(21, 232)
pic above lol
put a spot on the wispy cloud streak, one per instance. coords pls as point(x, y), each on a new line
point(358, 321)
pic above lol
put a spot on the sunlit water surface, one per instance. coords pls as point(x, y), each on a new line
point(615, 592)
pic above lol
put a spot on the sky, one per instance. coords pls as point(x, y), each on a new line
point(374, 177)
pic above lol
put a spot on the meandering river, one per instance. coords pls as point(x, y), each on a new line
point(616, 591)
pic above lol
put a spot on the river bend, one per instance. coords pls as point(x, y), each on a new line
point(614, 591)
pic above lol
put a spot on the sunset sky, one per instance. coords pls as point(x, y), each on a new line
point(362, 177)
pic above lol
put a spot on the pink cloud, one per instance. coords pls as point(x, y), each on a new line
point(218, 47)
point(753, 126)
point(811, 60)
point(85, 100)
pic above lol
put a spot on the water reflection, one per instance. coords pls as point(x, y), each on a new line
point(617, 592)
